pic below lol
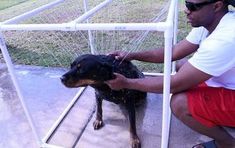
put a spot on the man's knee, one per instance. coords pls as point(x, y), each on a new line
point(179, 105)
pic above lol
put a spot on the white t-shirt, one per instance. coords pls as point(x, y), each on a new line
point(216, 52)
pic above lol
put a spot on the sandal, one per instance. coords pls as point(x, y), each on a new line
point(209, 144)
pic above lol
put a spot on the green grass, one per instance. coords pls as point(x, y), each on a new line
point(9, 3)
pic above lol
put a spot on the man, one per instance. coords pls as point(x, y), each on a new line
point(204, 86)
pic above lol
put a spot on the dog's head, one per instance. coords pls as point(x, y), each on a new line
point(88, 69)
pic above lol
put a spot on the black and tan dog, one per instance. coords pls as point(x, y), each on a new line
point(93, 70)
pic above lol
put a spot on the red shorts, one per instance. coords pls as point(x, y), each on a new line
point(212, 106)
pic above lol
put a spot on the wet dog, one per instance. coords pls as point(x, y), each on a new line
point(94, 70)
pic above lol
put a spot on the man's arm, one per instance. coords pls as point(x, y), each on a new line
point(180, 50)
point(187, 77)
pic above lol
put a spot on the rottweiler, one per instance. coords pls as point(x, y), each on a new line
point(94, 70)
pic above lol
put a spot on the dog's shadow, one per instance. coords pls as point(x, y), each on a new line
point(117, 115)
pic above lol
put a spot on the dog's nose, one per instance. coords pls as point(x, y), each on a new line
point(62, 78)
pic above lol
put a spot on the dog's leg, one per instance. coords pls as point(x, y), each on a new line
point(98, 123)
point(132, 119)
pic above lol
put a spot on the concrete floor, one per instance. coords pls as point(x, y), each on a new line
point(46, 98)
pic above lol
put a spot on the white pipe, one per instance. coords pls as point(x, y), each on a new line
point(175, 32)
point(170, 16)
point(166, 90)
point(168, 35)
point(152, 74)
point(91, 41)
point(45, 145)
point(61, 117)
point(91, 12)
point(11, 71)
point(38, 27)
point(155, 74)
point(31, 13)
point(160, 26)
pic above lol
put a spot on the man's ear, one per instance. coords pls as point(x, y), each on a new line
point(218, 6)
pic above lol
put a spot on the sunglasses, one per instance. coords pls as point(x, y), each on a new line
point(196, 6)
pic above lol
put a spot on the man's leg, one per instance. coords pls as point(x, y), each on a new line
point(179, 107)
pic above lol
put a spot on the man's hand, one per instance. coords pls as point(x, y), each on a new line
point(119, 55)
point(118, 83)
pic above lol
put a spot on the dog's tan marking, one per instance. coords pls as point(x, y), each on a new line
point(85, 82)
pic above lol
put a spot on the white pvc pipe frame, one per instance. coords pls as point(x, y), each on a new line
point(169, 27)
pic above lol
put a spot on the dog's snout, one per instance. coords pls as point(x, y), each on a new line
point(63, 78)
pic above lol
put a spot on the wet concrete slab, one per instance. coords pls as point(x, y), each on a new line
point(46, 99)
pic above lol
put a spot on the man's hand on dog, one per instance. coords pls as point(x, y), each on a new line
point(118, 83)
point(119, 55)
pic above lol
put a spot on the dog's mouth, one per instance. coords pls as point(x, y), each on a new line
point(79, 83)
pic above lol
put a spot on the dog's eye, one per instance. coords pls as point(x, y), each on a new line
point(71, 65)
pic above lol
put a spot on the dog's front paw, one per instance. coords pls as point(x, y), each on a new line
point(136, 142)
point(97, 124)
